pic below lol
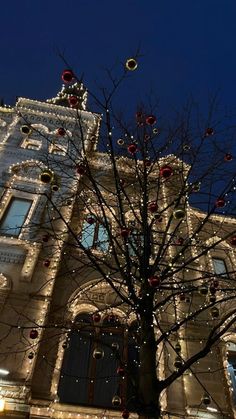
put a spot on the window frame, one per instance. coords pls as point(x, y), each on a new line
point(96, 244)
point(5, 214)
point(118, 332)
point(223, 274)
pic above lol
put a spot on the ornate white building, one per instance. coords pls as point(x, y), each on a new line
point(37, 297)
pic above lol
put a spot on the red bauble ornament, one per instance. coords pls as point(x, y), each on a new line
point(139, 115)
point(61, 132)
point(112, 318)
point(233, 240)
point(67, 76)
point(228, 157)
point(73, 101)
point(153, 207)
point(151, 120)
point(96, 317)
point(45, 238)
point(80, 169)
point(215, 283)
point(46, 263)
point(209, 131)
point(125, 414)
point(125, 232)
point(220, 203)
point(90, 220)
point(132, 148)
point(147, 163)
point(166, 172)
point(140, 118)
point(122, 182)
point(120, 371)
point(180, 241)
point(33, 334)
point(212, 290)
point(154, 281)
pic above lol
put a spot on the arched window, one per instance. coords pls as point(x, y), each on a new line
point(231, 369)
point(220, 267)
point(92, 379)
point(94, 234)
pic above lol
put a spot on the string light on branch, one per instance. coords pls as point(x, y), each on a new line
point(67, 76)
point(131, 64)
point(195, 187)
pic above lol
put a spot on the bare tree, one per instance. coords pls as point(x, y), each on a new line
point(146, 215)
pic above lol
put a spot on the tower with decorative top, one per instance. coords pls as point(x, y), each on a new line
point(41, 146)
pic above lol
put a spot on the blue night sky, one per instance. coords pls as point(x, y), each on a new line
point(187, 46)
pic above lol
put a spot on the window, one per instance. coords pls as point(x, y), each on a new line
point(94, 234)
point(220, 267)
point(31, 144)
point(94, 382)
point(136, 240)
point(232, 372)
point(14, 216)
point(58, 149)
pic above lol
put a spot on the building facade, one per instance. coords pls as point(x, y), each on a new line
point(44, 291)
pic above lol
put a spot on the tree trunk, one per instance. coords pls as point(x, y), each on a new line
point(149, 390)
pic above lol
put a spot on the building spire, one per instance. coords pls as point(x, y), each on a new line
point(71, 96)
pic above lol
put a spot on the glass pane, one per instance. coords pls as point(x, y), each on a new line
point(135, 242)
point(74, 380)
point(88, 231)
point(219, 266)
point(107, 381)
point(15, 216)
point(103, 239)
